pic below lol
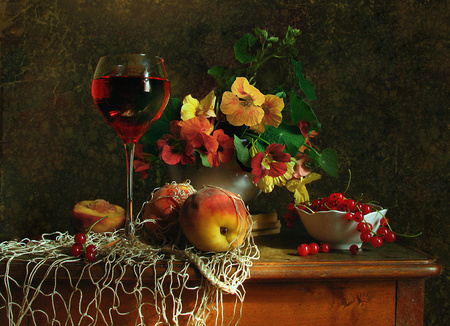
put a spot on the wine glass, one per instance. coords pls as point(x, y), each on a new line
point(131, 92)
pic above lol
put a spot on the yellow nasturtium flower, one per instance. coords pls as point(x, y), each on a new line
point(242, 106)
point(193, 108)
point(298, 187)
point(273, 105)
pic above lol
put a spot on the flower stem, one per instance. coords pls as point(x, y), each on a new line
point(255, 137)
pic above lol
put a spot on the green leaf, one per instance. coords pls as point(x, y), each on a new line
point(161, 126)
point(220, 75)
point(204, 158)
point(217, 71)
point(242, 152)
point(280, 93)
point(262, 33)
point(285, 134)
point(292, 33)
point(327, 160)
point(244, 49)
point(302, 111)
point(306, 86)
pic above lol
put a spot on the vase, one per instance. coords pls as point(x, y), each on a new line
point(229, 176)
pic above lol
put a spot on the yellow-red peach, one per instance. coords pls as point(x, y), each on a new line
point(214, 219)
point(88, 212)
point(163, 208)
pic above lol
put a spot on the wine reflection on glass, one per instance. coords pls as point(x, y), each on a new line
point(131, 92)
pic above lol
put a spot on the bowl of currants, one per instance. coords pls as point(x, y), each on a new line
point(343, 222)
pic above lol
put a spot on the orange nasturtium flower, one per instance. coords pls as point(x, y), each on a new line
point(225, 150)
point(197, 132)
point(273, 105)
point(242, 106)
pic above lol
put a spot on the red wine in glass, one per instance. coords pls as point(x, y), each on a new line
point(130, 91)
point(130, 104)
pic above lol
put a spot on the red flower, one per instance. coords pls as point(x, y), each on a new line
point(173, 149)
point(303, 125)
point(271, 162)
point(225, 149)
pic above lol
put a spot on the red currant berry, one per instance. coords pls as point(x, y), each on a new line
point(349, 216)
point(80, 238)
point(369, 227)
point(354, 249)
point(324, 247)
point(350, 203)
point(376, 242)
point(384, 221)
point(382, 231)
point(90, 256)
point(316, 204)
point(291, 207)
point(290, 217)
point(91, 248)
point(390, 237)
point(303, 249)
point(358, 216)
point(361, 227)
point(366, 236)
point(366, 209)
point(358, 207)
point(335, 196)
point(76, 250)
point(313, 248)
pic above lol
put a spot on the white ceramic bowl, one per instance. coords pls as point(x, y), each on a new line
point(333, 228)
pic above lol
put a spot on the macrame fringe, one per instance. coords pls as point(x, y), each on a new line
point(49, 258)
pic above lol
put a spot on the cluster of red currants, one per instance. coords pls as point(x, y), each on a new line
point(79, 247)
point(313, 248)
point(355, 211)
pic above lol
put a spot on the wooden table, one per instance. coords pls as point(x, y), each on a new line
point(383, 286)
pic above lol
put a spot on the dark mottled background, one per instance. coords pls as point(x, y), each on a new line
point(381, 70)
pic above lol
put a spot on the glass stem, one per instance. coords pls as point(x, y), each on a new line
point(129, 220)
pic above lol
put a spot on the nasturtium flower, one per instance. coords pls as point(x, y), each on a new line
point(268, 183)
point(242, 106)
point(225, 150)
point(194, 108)
point(273, 105)
point(303, 126)
point(298, 187)
point(300, 168)
point(271, 162)
point(173, 151)
point(197, 130)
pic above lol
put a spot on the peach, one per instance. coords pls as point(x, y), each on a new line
point(214, 219)
point(162, 210)
point(87, 212)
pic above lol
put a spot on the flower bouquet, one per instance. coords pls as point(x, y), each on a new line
point(268, 131)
